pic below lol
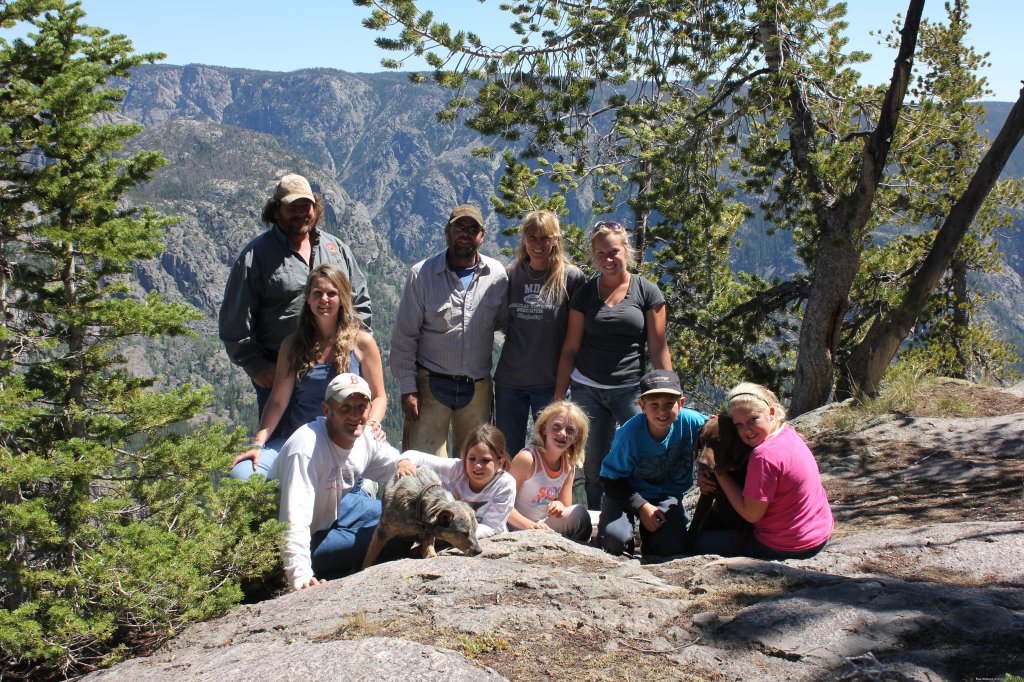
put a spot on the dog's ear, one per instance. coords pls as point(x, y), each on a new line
point(444, 517)
point(708, 432)
point(734, 452)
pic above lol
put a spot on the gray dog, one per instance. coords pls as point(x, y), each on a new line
point(419, 507)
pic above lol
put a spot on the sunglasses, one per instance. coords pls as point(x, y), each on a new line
point(472, 230)
point(609, 225)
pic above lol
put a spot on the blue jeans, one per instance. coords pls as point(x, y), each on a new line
point(720, 542)
point(512, 408)
point(604, 407)
point(615, 529)
point(340, 549)
point(268, 456)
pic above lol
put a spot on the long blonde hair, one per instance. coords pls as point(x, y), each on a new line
point(306, 345)
point(545, 224)
point(574, 454)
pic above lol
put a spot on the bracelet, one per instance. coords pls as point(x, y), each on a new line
point(372, 421)
point(256, 445)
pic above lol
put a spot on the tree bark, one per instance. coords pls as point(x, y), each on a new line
point(961, 319)
point(868, 361)
point(841, 220)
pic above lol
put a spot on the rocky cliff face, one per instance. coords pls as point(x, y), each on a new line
point(375, 135)
point(537, 606)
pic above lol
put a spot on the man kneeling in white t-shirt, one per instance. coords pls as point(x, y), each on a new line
point(330, 520)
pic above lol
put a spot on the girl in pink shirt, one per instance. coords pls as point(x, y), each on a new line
point(783, 496)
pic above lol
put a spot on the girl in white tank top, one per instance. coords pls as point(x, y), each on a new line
point(544, 473)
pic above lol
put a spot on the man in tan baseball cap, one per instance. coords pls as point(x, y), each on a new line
point(262, 298)
point(330, 519)
point(292, 187)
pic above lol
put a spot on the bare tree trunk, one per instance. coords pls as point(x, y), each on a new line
point(841, 218)
point(836, 262)
point(961, 319)
point(869, 360)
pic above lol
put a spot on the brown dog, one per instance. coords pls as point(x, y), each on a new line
point(720, 449)
point(419, 507)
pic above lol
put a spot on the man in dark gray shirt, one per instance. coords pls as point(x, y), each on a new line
point(263, 295)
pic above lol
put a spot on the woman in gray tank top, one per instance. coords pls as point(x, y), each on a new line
point(611, 319)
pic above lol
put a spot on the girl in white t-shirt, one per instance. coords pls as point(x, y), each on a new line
point(544, 473)
point(479, 478)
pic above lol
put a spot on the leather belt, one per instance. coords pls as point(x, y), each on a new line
point(460, 378)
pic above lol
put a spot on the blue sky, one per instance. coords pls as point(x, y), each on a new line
point(280, 36)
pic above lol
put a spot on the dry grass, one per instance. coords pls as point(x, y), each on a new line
point(912, 393)
point(729, 598)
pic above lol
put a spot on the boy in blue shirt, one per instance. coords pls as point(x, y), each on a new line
point(647, 471)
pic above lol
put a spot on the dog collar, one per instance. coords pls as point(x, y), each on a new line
point(419, 503)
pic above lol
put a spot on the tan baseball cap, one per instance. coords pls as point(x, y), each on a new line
point(467, 211)
point(291, 187)
point(345, 385)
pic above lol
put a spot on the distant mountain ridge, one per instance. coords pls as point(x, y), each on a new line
point(371, 144)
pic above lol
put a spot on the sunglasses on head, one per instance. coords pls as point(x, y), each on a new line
point(609, 225)
point(473, 229)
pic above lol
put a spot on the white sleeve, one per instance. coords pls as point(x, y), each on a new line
point(446, 468)
point(298, 490)
point(382, 458)
point(502, 496)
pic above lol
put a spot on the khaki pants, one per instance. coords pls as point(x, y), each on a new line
point(429, 433)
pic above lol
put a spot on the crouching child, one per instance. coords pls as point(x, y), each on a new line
point(479, 477)
point(648, 470)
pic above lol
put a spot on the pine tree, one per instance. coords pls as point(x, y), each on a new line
point(113, 533)
point(624, 101)
point(951, 336)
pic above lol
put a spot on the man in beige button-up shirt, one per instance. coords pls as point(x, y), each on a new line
point(443, 338)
